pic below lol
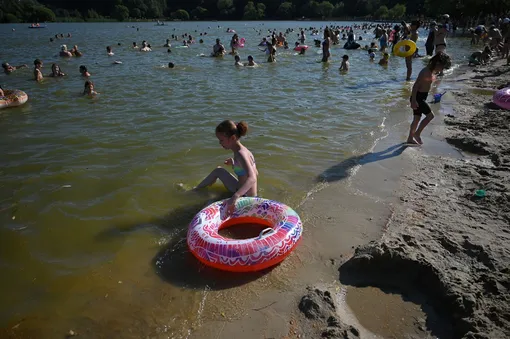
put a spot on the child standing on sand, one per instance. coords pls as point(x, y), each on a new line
point(243, 163)
point(419, 95)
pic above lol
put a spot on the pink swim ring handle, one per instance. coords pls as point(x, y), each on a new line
point(265, 233)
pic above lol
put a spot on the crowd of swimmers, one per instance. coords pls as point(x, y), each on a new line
point(386, 36)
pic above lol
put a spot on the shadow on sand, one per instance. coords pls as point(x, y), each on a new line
point(437, 321)
point(174, 263)
point(343, 169)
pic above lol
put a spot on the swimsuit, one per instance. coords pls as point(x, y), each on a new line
point(238, 170)
point(423, 107)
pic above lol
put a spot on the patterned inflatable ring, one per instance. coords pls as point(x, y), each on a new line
point(402, 53)
point(13, 98)
point(502, 98)
point(273, 244)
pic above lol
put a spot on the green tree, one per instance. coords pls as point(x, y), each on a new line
point(261, 9)
point(338, 11)
point(199, 13)
point(325, 9)
point(10, 18)
point(286, 10)
point(92, 14)
point(76, 13)
point(397, 11)
point(310, 9)
point(180, 14)
point(135, 13)
point(121, 12)
point(382, 12)
point(42, 13)
point(226, 7)
point(250, 12)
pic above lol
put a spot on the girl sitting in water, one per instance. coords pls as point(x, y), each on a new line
point(243, 163)
point(56, 72)
point(89, 88)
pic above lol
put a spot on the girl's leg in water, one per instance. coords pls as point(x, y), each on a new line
point(228, 180)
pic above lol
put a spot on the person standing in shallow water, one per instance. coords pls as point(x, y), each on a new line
point(411, 32)
point(243, 164)
point(419, 95)
point(325, 46)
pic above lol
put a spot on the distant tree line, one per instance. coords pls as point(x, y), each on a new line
point(123, 10)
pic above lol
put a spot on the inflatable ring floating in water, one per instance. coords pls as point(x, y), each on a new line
point(502, 98)
point(397, 49)
point(13, 98)
point(275, 243)
point(241, 43)
point(298, 48)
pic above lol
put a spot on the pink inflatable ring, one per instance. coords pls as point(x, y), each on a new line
point(298, 48)
point(275, 243)
point(502, 98)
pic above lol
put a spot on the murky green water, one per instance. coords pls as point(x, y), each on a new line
point(92, 218)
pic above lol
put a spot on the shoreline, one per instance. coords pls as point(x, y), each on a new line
point(442, 241)
point(351, 208)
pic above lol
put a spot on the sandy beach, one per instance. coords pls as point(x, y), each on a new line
point(427, 251)
point(444, 242)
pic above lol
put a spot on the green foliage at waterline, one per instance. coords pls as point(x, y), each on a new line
point(123, 10)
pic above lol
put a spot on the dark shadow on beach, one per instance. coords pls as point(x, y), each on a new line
point(174, 263)
point(437, 320)
point(343, 169)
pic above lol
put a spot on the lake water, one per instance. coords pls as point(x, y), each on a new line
point(92, 210)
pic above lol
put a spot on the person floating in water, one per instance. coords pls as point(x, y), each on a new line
point(37, 70)
point(64, 52)
point(9, 69)
point(344, 67)
point(419, 95)
point(238, 61)
point(218, 49)
point(75, 52)
point(371, 55)
point(83, 71)
point(250, 62)
point(109, 51)
point(89, 88)
point(243, 163)
point(56, 71)
point(384, 59)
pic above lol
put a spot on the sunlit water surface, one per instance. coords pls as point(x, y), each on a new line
point(92, 199)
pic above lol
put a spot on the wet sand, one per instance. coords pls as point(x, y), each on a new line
point(443, 241)
point(430, 260)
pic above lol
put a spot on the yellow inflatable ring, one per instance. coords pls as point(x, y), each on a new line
point(404, 54)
